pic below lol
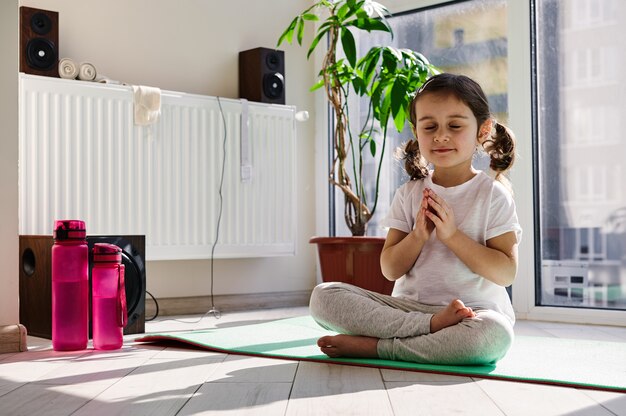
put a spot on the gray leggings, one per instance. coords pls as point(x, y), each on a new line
point(403, 327)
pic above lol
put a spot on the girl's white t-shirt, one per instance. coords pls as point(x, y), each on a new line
point(483, 208)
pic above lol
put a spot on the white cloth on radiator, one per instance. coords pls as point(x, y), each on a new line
point(103, 79)
point(147, 104)
point(68, 69)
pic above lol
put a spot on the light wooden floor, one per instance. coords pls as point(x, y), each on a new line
point(165, 380)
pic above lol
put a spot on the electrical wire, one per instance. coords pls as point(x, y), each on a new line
point(156, 304)
point(213, 309)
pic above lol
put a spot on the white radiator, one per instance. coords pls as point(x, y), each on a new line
point(81, 156)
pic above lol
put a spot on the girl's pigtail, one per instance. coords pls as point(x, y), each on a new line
point(415, 165)
point(501, 149)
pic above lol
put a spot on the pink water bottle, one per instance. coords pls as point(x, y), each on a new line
point(70, 286)
point(108, 297)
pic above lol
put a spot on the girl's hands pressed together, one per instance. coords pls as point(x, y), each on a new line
point(440, 214)
point(423, 225)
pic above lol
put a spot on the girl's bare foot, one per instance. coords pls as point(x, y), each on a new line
point(452, 314)
point(348, 346)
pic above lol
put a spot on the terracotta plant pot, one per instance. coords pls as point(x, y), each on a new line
point(354, 260)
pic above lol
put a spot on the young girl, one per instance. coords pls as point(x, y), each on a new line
point(451, 247)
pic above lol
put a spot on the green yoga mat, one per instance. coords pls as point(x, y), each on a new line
point(565, 362)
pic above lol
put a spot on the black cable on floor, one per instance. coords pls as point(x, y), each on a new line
point(157, 307)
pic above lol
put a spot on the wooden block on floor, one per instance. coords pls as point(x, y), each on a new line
point(12, 338)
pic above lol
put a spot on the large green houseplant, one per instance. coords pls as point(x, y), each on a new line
point(386, 76)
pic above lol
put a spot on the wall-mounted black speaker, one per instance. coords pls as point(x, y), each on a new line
point(262, 75)
point(39, 42)
point(35, 281)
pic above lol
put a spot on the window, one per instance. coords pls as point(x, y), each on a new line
point(582, 208)
point(588, 13)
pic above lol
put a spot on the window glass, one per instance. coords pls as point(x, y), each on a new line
point(581, 147)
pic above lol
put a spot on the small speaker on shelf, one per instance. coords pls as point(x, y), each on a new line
point(35, 281)
point(39, 41)
point(262, 75)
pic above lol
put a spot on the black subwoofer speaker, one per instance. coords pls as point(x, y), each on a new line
point(35, 283)
point(262, 75)
point(39, 42)
point(133, 257)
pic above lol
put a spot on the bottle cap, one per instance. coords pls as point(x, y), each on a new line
point(106, 253)
point(69, 230)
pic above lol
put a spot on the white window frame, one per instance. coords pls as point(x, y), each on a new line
point(521, 122)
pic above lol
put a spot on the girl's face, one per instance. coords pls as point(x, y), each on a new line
point(446, 130)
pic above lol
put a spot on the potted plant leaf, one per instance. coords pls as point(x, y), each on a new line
point(386, 77)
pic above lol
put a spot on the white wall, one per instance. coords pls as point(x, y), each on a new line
point(8, 163)
point(192, 46)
